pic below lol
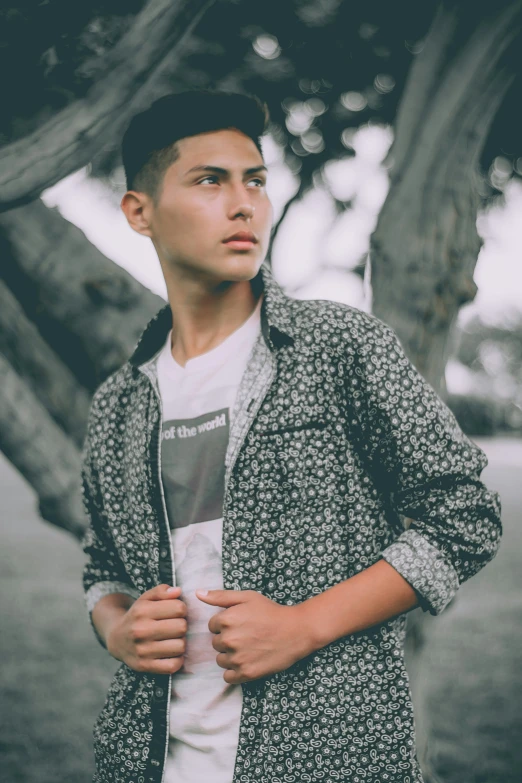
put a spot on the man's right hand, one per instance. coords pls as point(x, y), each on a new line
point(150, 635)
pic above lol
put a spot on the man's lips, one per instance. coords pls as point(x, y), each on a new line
point(240, 244)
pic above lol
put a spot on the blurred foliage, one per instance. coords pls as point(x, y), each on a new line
point(51, 50)
point(493, 354)
point(325, 67)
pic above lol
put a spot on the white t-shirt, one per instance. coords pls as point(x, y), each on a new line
point(198, 400)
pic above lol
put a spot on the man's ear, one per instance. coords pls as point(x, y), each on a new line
point(136, 208)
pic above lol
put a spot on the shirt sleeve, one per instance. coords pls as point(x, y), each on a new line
point(104, 572)
point(428, 470)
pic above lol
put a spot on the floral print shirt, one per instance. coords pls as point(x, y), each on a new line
point(335, 439)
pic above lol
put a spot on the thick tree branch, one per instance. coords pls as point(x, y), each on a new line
point(70, 139)
point(40, 450)
point(432, 93)
point(303, 185)
point(425, 246)
point(41, 369)
point(90, 311)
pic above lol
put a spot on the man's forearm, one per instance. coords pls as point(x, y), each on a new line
point(368, 598)
point(109, 609)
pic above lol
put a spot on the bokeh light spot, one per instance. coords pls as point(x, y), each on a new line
point(354, 101)
point(384, 83)
point(267, 46)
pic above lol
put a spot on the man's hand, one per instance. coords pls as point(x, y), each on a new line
point(255, 636)
point(150, 636)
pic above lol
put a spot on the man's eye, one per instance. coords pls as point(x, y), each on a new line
point(214, 177)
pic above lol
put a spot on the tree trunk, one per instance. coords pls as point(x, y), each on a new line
point(69, 140)
point(425, 246)
point(36, 364)
point(68, 317)
point(89, 310)
point(41, 451)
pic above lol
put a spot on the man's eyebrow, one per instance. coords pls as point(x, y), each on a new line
point(225, 172)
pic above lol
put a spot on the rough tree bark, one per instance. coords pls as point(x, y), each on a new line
point(425, 246)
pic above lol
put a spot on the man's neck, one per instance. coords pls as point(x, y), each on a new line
point(201, 320)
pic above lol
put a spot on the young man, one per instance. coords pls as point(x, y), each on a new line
point(264, 449)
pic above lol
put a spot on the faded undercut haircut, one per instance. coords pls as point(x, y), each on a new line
point(149, 143)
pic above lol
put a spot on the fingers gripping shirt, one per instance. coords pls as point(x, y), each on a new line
point(197, 401)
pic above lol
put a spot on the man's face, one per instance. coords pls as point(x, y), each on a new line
point(198, 209)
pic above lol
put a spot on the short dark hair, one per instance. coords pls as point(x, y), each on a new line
point(149, 142)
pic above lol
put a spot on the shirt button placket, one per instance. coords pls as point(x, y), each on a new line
point(165, 569)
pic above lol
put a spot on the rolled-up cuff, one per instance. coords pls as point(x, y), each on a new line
point(100, 589)
point(426, 569)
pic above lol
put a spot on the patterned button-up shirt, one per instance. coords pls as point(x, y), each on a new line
point(335, 440)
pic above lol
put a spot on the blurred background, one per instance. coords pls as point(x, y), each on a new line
point(395, 171)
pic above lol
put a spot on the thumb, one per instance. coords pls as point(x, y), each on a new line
point(222, 597)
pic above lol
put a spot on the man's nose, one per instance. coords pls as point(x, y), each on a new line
point(246, 210)
point(239, 201)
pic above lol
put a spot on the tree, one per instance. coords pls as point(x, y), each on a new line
point(452, 96)
point(439, 73)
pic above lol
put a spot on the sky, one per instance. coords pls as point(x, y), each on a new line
point(307, 235)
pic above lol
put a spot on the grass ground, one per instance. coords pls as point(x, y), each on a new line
point(54, 674)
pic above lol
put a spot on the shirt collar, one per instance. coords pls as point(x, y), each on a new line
point(276, 319)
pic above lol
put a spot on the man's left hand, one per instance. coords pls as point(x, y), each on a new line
point(255, 636)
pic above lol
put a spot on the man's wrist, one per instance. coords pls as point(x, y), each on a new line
point(366, 599)
point(107, 612)
point(311, 629)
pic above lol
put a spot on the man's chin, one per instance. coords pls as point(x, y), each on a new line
point(233, 267)
point(238, 266)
